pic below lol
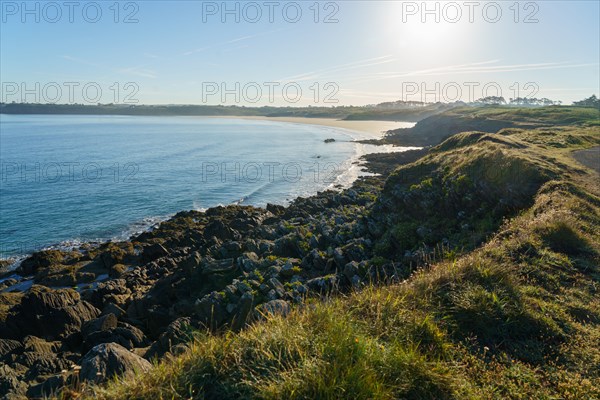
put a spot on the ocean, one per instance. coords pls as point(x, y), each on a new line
point(67, 179)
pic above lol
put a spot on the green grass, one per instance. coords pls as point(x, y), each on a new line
point(517, 317)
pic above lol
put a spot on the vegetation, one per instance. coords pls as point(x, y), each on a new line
point(591, 101)
point(515, 313)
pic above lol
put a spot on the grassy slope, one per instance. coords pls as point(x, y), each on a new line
point(517, 317)
point(489, 119)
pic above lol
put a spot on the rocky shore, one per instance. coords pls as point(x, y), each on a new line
point(87, 314)
point(74, 318)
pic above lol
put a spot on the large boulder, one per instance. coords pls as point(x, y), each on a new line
point(124, 334)
point(109, 359)
point(51, 314)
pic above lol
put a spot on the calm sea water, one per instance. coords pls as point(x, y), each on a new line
point(67, 179)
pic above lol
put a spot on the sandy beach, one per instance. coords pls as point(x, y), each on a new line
point(373, 128)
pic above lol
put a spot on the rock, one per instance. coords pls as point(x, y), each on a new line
point(229, 250)
point(273, 307)
point(124, 334)
point(103, 323)
point(423, 232)
point(218, 229)
point(329, 140)
point(109, 359)
point(50, 386)
point(116, 270)
point(350, 270)
point(38, 345)
point(8, 347)
point(113, 309)
point(178, 332)
point(275, 209)
point(338, 256)
point(286, 246)
point(191, 263)
point(41, 364)
point(288, 270)
point(277, 287)
point(10, 384)
point(244, 308)
point(40, 299)
point(323, 285)
point(8, 283)
point(52, 314)
point(248, 261)
point(154, 251)
point(219, 266)
point(210, 310)
point(39, 260)
point(114, 291)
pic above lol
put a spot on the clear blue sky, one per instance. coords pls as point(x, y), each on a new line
point(376, 51)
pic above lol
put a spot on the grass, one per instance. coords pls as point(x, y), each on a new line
point(517, 317)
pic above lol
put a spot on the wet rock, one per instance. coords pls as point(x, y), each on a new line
point(8, 283)
point(109, 359)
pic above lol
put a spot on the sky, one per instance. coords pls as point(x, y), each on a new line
point(327, 53)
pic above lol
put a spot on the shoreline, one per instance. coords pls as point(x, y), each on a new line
point(355, 169)
point(374, 127)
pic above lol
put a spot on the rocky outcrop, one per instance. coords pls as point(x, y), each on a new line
point(48, 313)
point(109, 359)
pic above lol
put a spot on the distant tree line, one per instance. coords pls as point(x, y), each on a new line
point(591, 101)
point(518, 101)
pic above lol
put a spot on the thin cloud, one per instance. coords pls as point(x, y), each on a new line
point(472, 68)
point(239, 39)
point(348, 66)
point(138, 71)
